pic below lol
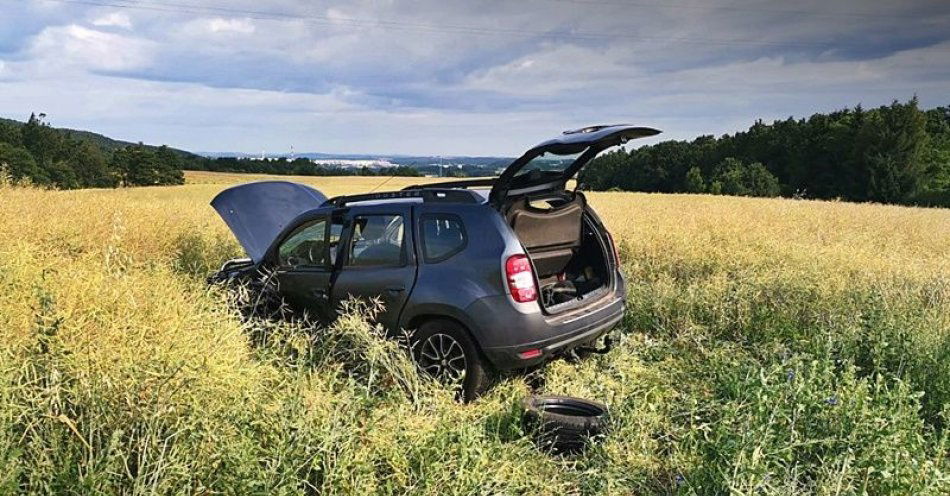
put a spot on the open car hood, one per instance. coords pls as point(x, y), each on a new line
point(588, 141)
point(258, 212)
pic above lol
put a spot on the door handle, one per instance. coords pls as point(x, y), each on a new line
point(396, 289)
point(319, 293)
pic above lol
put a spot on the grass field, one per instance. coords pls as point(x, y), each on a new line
point(770, 347)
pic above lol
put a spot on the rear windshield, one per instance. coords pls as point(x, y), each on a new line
point(548, 162)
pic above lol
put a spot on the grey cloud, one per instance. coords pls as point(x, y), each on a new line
point(479, 77)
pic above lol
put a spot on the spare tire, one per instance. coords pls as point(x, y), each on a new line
point(564, 424)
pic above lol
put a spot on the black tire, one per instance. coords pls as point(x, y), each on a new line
point(564, 424)
point(438, 335)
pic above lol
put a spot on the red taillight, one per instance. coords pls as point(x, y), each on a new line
point(613, 246)
point(529, 354)
point(520, 279)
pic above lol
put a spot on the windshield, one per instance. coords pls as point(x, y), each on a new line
point(547, 162)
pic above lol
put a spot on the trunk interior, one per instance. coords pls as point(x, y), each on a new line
point(568, 255)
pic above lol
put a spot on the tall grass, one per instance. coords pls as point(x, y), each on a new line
point(770, 347)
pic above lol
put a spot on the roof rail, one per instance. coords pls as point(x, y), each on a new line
point(427, 195)
point(464, 183)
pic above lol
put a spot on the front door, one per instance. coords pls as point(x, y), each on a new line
point(304, 268)
point(377, 259)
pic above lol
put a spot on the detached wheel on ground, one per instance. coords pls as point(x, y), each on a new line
point(564, 424)
point(444, 350)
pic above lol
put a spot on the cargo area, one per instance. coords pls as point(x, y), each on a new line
point(568, 255)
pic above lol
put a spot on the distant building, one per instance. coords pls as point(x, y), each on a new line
point(379, 163)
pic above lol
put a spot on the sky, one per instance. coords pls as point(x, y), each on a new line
point(453, 77)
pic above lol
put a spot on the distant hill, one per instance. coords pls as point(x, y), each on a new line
point(484, 161)
point(105, 143)
point(316, 163)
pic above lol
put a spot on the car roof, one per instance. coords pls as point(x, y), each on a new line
point(433, 195)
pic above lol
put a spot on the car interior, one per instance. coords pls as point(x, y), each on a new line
point(305, 246)
point(568, 259)
point(377, 240)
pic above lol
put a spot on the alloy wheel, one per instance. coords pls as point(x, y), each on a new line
point(442, 357)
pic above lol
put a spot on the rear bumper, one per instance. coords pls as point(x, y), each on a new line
point(506, 357)
point(505, 334)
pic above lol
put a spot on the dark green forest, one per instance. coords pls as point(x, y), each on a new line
point(37, 153)
point(891, 154)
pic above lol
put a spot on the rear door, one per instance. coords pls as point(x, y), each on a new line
point(377, 259)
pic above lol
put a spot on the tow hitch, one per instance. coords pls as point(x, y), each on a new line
point(608, 345)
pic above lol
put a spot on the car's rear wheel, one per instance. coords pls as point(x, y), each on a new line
point(445, 351)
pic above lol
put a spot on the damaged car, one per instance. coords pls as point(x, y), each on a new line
point(489, 274)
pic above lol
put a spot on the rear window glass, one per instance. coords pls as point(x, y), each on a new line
point(443, 235)
point(548, 163)
point(377, 241)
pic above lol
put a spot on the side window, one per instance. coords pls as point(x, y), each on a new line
point(377, 240)
point(306, 246)
point(443, 235)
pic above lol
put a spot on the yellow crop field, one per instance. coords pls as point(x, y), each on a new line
point(770, 346)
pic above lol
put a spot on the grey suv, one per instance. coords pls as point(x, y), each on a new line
point(491, 274)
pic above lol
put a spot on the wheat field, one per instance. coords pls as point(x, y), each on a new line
point(770, 346)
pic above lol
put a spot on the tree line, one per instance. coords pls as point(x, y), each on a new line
point(896, 153)
point(37, 153)
point(40, 154)
point(408, 167)
point(297, 167)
